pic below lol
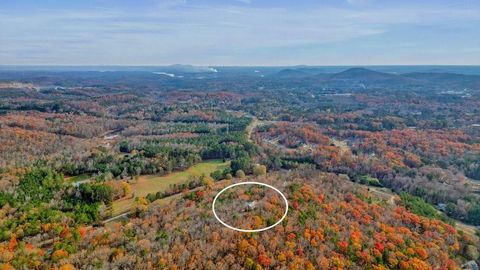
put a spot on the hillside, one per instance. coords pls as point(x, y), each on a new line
point(332, 224)
point(353, 77)
point(298, 73)
point(363, 75)
point(118, 170)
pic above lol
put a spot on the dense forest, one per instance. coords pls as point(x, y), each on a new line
point(118, 170)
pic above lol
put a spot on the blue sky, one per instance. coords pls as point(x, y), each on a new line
point(239, 32)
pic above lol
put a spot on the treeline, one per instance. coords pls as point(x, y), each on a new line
point(161, 155)
point(429, 164)
point(44, 203)
point(356, 230)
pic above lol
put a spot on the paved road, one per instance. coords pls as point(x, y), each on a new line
point(124, 215)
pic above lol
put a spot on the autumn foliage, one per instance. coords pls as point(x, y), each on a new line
point(334, 225)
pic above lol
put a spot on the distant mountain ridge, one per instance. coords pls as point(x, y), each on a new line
point(367, 76)
point(297, 72)
point(359, 76)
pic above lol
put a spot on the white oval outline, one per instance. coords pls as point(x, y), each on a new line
point(250, 183)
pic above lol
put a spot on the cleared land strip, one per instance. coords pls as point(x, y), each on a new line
point(151, 183)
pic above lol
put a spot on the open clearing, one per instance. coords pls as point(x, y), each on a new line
point(151, 183)
point(77, 178)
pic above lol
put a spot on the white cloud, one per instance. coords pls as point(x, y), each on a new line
point(194, 34)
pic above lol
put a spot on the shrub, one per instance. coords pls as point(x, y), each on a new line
point(418, 206)
point(240, 174)
point(259, 170)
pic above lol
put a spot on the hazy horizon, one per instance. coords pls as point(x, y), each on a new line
point(246, 70)
point(242, 66)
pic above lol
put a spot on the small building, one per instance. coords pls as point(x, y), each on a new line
point(250, 206)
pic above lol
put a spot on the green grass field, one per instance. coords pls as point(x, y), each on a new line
point(151, 183)
point(77, 178)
